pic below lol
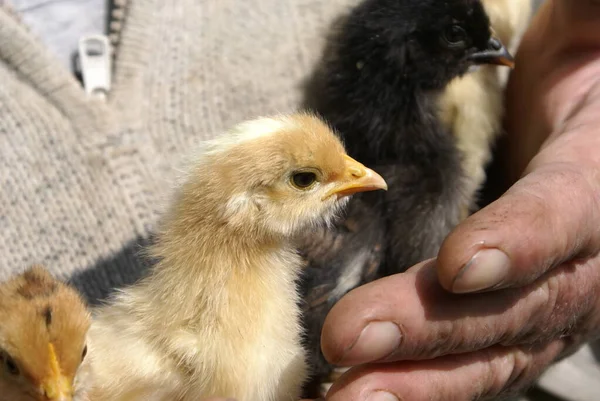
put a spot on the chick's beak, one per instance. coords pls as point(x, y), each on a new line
point(495, 53)
point(356, 178)
point(57, 387)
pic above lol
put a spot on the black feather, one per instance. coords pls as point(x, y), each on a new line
point(336, 261)
point(378, 84)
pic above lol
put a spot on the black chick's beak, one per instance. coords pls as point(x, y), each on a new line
point(495, 53)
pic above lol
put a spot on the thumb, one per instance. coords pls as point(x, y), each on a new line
point(548, 217)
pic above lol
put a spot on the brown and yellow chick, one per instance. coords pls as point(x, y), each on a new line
point(472, 105)
point(42, 339)
point(218, 314)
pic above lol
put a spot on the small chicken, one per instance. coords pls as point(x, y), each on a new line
point(379, 84)
point(472, 105)
point(42, 339)
point(218, 314)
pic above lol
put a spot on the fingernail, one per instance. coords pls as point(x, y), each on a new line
point(486, 269)
point(381, 396)
point(376, 341)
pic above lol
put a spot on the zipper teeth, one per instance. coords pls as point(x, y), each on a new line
point(118, 10)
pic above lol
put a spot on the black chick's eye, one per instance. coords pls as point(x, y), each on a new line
point(84, 353)
point(9, 364)
point(304, 179)
point(455, 36)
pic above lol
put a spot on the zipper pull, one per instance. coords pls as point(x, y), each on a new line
point(95, 60)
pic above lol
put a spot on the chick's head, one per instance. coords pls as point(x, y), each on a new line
point(429, 41)
point(277, 176)
point(42, 338)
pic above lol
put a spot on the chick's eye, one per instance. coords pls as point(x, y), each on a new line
point(9, 364)
point(84, 353)
point(455, 35)
point(304, 179)
point(11, 367)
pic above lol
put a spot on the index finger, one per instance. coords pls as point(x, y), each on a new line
point(409, 316)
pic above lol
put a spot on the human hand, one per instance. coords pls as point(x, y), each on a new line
point(515, 286)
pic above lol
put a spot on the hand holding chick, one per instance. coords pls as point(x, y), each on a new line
point(42, 339)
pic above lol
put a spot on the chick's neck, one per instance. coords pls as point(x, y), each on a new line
point(201, 258)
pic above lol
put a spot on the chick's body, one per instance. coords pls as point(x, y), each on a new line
point(42, 339)
point(472, 105)
point(379, 84)
point(230, 335)
point(218, 315)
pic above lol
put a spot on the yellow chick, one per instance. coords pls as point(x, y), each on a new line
point(472, 106)
point(42, 339)
point(218, 314)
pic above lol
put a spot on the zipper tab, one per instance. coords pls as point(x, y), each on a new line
point(96, 64)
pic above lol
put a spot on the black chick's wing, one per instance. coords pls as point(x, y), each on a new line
point(337, 259)
point(381, 233)
point(425, 201)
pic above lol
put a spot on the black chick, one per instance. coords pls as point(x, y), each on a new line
point(378, 85)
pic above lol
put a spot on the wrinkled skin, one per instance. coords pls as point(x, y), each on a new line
point(502, 327)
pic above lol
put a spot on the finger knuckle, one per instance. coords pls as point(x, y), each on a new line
point(540, 300)
point(506, 375)
point(568, 190)
point(522, 374)
point(569, 180)
point(545, 299)
point(560, 301)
